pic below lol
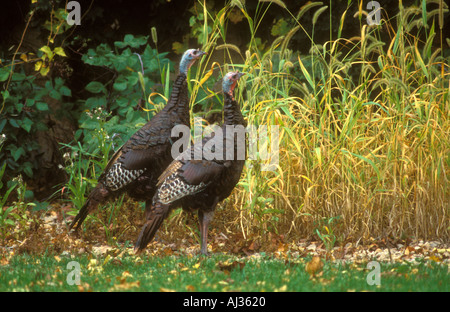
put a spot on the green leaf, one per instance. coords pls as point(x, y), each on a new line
point(19, 107)
point(95, 87)
point(424, 12)
point(9, 221)
point(306, 73)
point(2, 124)
point(130, 40)
point(14, 123)
point(44, 71)
point(122, 101)
point(192, 21)
point(420, 61)
point(5, 196)
point(17, 153)
point(90, 124)
point(130, 115)
point(5, 94)
point(4, 73)
point(94, 102)
point(281, 28)
point(133, 79)
point(288, 113)
point(42, 106)
point(27, 168)
point(26, 124)
point(18, 77)
point(120, 85)
point(60, 51)
point(396, 41)
point(29, 102)
point(47, 51)
point(65, 91)
point(370, 162)
point(55, 94)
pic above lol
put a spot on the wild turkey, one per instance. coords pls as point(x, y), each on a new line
point(136, 166)
point(200, 184)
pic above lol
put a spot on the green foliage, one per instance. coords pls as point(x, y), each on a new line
point(280, 28)
point(325, 231)
point(5, 221)
point(198, 28)
point(17, 218)
point(25, 97)
point(23, 113)
point(114, 110)
point(124, 96)
point(218, 273)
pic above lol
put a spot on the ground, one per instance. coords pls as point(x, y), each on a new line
point(47, 232)
point(37, 255)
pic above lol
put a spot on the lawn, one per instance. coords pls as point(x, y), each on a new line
point(218, 273)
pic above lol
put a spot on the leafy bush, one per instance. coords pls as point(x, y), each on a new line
point(27, 89)
point(123, 99)
point(116, 108)
point(23, 110)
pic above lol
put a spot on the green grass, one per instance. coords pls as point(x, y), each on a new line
point(215, 273)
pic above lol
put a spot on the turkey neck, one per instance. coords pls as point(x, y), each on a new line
point(178, 104)
point(232, 112)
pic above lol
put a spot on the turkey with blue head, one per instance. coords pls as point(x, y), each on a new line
point(136, 166)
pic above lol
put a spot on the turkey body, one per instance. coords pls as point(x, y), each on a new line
point(200, 184)
point(136, 166)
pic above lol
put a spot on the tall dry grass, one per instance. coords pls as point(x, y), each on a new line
point(364, 127)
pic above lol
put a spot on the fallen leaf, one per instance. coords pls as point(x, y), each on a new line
point(228, 265)
point(314, 266)
point(126, 274)
point(4, 261)
point(125, 285)
point(281, 289)
point(409, 250)
point(84, 287)
point(435, 258)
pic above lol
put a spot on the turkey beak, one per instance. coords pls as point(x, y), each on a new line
point(240, 75)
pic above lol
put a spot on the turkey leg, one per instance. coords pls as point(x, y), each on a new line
point(205, 218)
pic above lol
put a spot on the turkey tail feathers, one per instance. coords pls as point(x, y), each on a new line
point(79, 218)
point(155, 219)
point(98, 195)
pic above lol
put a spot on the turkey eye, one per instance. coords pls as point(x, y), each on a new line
point(234, 76)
